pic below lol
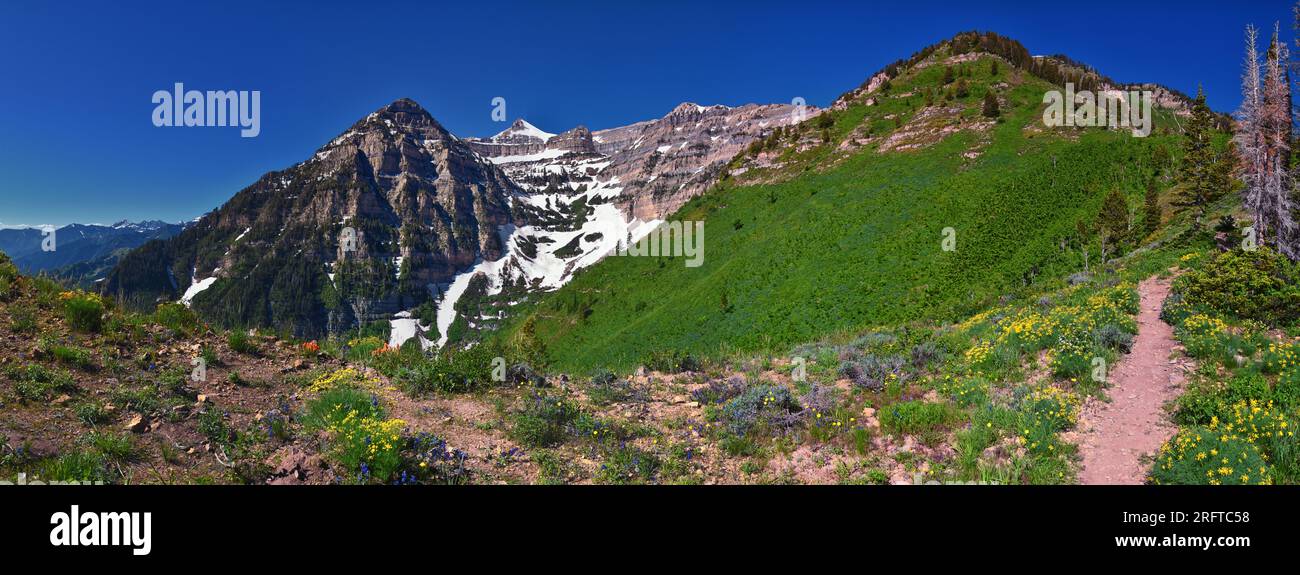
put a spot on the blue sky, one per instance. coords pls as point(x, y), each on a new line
point(78, 145)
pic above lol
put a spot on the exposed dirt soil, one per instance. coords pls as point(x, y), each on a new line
point(1116, 436)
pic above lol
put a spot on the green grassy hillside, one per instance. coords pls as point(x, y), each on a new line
point(800, 250)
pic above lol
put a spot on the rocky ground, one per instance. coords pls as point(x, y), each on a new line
point(131, 411)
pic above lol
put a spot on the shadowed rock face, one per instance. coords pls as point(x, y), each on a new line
point(577, 140)
point(416, 176)
point(420, 203)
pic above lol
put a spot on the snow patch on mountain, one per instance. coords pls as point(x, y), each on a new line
point(543, 155)
point(598, 235)
point(197, 286)
point(404, 327)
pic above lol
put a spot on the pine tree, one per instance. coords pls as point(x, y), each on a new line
point(1152, 215)
point(1198, 189)
point(991, 109)
point(1084, 234)
point(1113, 223)
point(1227, 225)
point(526, 346)
point(1161, 160)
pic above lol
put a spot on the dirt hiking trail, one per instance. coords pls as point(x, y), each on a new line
point(1117, 434)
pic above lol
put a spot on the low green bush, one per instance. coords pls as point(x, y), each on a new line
point(8, 278)
point(1245, 386)
point(79, 465)
point(1199, 404)
point(762, 407)
point(672, 362)
point(176, 317)
point(545, 421)
point(83, 311)
point(332, 405)
point(628, 464)
point(240, 342)
point(1261, 285)
point(1201, 456)
point(72, 355)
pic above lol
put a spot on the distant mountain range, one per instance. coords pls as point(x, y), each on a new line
point(82, 253)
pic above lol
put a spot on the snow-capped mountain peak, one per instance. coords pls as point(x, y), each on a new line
point(520, 132)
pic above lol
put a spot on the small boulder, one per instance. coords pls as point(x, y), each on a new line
point(136, 424)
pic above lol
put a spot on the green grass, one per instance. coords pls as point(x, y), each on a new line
point(98, 459)
point(113, 447)
point(73, 356)
point(239, 342)
point(144, 399)
point(209, 355)
point(93, 413)
point(213, 426)
point(38, 383)
point(79, 465)
point(176, 317)
point(22, 318)
point(916, 417)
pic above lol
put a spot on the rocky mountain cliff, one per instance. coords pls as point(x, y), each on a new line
point(366, 227)
point(663, 163)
